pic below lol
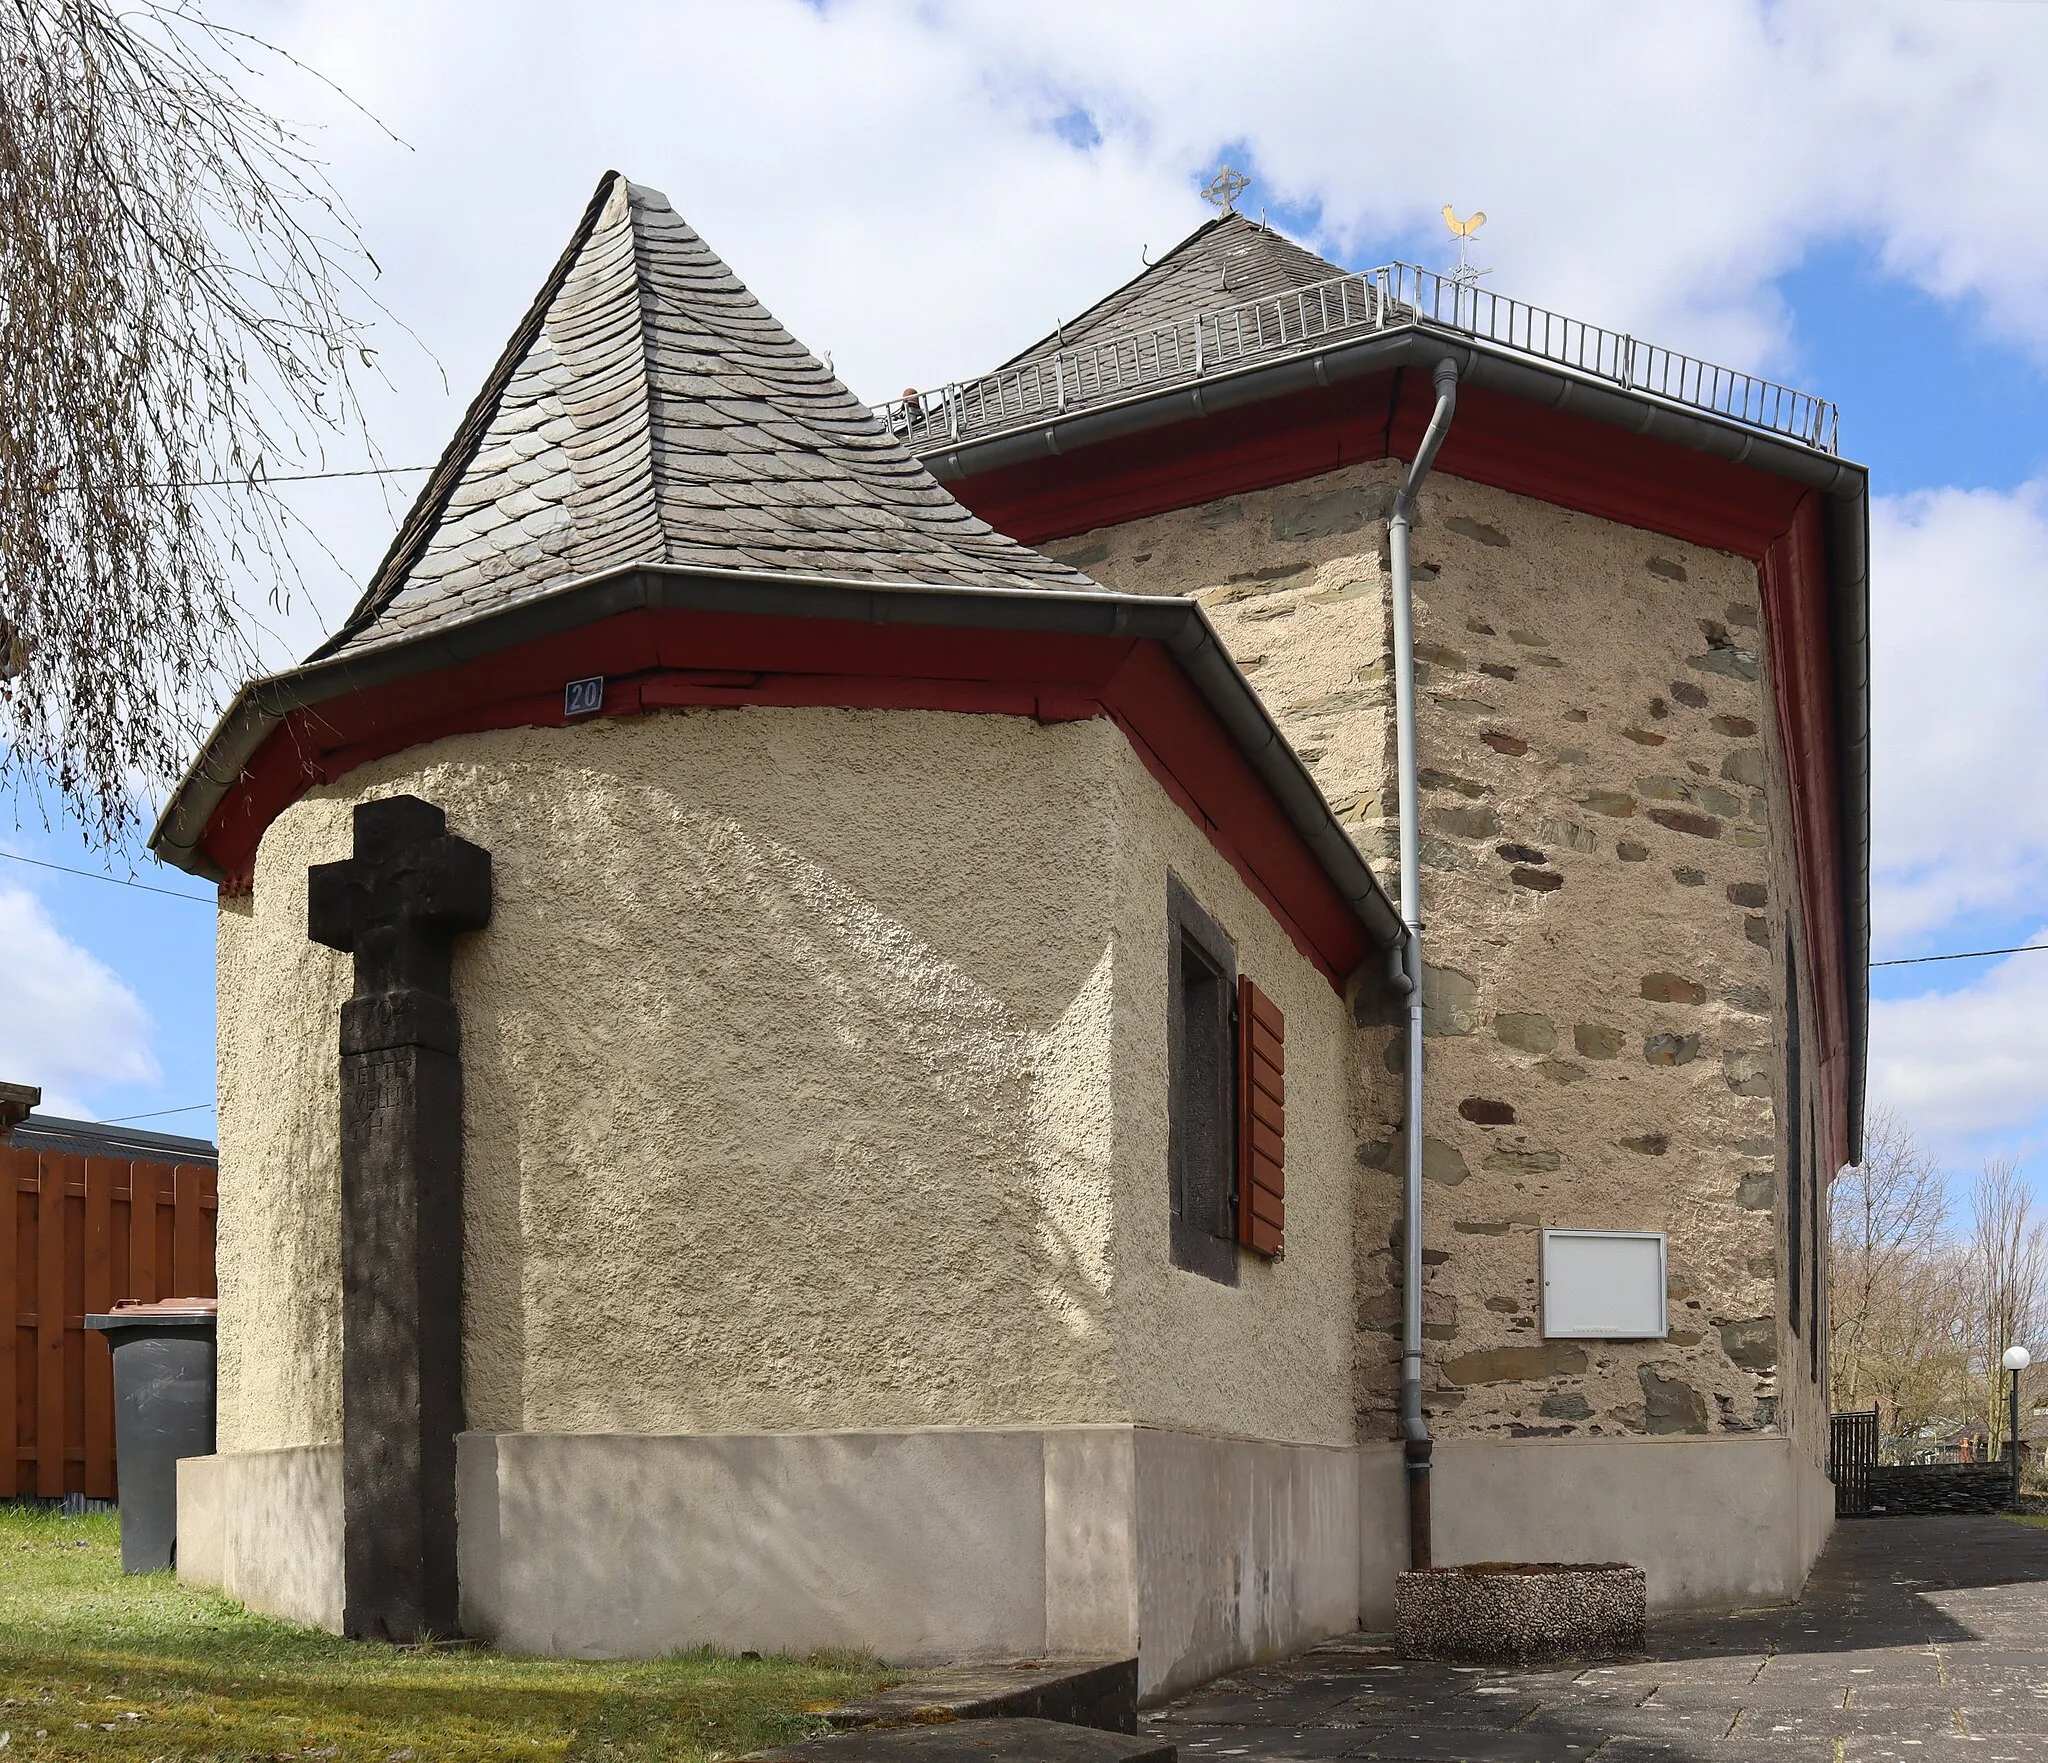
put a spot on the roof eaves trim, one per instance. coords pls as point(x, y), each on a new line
point(1179, 626)
point(1848, 525)
point(1479, 363)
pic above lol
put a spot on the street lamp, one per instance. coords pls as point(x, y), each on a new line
point(2016, 1360)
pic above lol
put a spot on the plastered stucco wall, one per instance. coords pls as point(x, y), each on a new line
point(1270, 1357)
point(1606, 848)
point(277, 1257)
point(807, 1069)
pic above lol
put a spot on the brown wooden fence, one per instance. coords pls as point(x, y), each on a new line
point(77, 1233)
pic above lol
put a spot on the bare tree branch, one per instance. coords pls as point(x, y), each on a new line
point(179, 289)
point(2008, 1249)
point(1896, 1293)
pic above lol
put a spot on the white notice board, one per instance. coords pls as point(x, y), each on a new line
point(1603, 1285)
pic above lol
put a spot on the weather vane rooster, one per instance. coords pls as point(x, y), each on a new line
point(1462, 230)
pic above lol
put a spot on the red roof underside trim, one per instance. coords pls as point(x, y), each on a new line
point(1796, 616)
point(670, 659)
point(1553, 456)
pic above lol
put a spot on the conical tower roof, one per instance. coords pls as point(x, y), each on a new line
point(649, 410)
point(1223, 262)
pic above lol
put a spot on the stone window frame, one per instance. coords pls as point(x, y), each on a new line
point(1201, 1087)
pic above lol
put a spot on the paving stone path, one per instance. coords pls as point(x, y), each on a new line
point(1916, 1636)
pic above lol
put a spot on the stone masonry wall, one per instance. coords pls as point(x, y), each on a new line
point(1606, 878)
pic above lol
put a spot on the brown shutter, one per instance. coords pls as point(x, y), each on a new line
point(1261, 1121)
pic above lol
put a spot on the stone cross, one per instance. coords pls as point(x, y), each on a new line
point(397, 905)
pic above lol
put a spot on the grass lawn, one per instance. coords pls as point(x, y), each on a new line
point(94, 1664)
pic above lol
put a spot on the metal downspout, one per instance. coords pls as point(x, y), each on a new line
point(1416, 1442)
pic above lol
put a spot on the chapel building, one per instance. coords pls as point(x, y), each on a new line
point(1642, 679)
point(809, 997)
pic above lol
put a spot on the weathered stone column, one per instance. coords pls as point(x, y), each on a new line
point(397, 906)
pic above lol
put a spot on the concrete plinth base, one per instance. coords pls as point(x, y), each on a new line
point(265, 1527)
point(1715, 1523)
point(1193, 1553)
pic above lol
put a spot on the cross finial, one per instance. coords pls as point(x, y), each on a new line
point(1222, 191)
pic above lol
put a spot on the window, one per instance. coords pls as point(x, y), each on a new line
point(1227, 1100)
point(1202, 1088)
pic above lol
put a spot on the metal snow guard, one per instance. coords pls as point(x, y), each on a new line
point(1346, 307)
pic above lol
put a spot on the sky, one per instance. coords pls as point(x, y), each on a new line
point(1841, 194)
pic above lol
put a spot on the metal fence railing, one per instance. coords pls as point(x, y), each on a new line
point(1345, 307)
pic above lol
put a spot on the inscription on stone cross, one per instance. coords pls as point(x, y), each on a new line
point(397, 906)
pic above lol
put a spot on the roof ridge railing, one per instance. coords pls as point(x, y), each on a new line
point(1345, 308)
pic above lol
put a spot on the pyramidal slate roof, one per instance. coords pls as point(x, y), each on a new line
point(1223, 262)
point(649, 410)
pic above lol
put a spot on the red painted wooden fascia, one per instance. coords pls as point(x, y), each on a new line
point(522, 686)
point(1796, 619)
point(1555, 456)
point(1253, 448)
point(803, 662)
point(1575, 462)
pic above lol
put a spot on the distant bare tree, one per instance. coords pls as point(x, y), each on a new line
point(2008, 1261)
point(1897, 1296)
point(1899, 1286)
point(176, 284)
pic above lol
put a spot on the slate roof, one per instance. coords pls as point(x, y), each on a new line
point(1223, 262)
point(100, 1138)
point(649, 410)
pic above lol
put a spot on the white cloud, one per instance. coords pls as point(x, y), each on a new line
point(1646, 165)
point(67, 1023)
point(895, 180)
point(888, 172)
point(1969, 1065)
point(1960, 677)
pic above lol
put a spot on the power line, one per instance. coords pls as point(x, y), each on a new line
point(250, 480)
point(202, 900)
point(156, 1114)
point(294, 477)
point(115, 880)
point(1964, 955)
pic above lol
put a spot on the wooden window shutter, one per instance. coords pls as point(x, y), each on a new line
point(1261, 1121)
